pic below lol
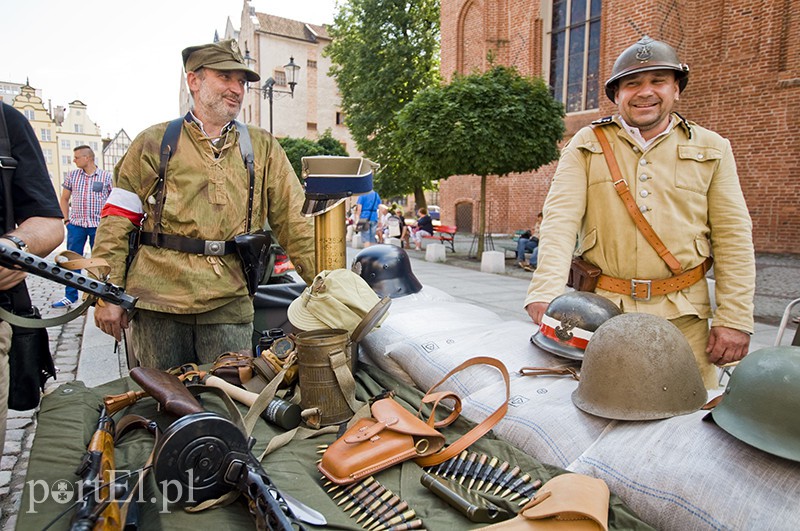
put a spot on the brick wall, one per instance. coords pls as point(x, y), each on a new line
point(744, 83)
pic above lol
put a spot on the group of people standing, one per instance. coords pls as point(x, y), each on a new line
point(377, 222)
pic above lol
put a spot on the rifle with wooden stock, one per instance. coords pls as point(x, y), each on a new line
point(98, 508)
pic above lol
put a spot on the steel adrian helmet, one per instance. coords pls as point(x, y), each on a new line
point(645, 55)
point(761, 404)
point(639, 367)
point(569, 322)
point(387, 270)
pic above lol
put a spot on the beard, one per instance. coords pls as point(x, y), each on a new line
point(218, 106)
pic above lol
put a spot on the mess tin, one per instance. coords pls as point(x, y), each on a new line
point(328, 358)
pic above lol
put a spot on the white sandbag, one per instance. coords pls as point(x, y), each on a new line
point(428, 357)
point(541, 419)
point(411, 315)
point(685, 473)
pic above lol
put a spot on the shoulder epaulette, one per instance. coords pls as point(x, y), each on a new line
point(685, 123)
point(604, 120)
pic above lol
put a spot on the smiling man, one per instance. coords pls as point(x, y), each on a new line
point(683, 181)
point(185, 267)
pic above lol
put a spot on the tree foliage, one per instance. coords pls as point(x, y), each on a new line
point(383, 53)
point(297, 148)
point(493, 123)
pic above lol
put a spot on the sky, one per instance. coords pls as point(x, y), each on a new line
point(122, 58)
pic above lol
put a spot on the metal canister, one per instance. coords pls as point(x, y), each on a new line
point(319, 387)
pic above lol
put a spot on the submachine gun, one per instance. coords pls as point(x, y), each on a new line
point(202, 456)
point(13, 258)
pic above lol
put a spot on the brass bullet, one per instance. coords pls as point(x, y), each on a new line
point(487, 472)
point(496, 475)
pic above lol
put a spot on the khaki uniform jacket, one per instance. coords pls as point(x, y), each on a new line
point(686, 184)
point(206, 198)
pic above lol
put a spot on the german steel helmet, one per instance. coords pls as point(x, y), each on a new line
point(639, 367)
point(569, 322)
point(645, 55)
point(761, 404)
point(387, 270)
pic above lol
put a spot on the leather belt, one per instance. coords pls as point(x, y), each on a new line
point(188, 245)
point(643, 290)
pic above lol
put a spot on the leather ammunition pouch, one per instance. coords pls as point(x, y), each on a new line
point(253, 250)
point(583, 275)
point(234, 367)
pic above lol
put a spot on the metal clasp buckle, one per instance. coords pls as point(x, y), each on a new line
point(8, 163)
point(214, 248)
point(635, 282)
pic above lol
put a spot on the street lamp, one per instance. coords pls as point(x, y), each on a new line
point(268, 88)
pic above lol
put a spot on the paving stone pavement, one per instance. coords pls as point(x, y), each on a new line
point(65, 344)
point(81, 349)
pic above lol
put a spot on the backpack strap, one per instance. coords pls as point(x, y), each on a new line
point(8, 164)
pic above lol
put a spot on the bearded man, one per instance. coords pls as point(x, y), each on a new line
point(186, 201)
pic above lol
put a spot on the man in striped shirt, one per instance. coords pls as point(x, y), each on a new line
point(87, 188)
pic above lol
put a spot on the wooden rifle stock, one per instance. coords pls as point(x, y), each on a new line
point(98, 509)
point(168, 390)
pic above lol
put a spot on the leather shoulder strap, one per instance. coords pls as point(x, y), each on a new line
point(481, 429)
point(169, 144)
point(630, 203)
point(246, 149)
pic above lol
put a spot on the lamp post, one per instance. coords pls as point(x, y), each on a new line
point(268, 88)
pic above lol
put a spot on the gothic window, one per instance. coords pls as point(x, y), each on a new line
point(575, 53)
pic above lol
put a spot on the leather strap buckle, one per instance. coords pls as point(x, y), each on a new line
point(214, 248)
point(635, 283)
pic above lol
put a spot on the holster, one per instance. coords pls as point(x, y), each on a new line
point(392, 435)
point(569, 501)
point(583, 275)
point(253, 250)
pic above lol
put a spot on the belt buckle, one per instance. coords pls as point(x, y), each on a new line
point(635, 282)
point(214, 247)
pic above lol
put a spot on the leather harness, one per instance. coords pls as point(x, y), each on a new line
point(169, 144)
point(644, 289)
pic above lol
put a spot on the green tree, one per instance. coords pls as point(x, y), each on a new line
point(297, 148)
point(493, 123)
point(383, 53)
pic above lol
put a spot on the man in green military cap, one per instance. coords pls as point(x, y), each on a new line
point(194, 302)
point(682, 180)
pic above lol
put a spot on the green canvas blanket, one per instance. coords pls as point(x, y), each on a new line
point(69, 415)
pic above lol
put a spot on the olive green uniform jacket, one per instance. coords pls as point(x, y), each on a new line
point(206, 198)
point(688, 189)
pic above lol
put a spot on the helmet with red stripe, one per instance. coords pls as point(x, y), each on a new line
point(570, 321)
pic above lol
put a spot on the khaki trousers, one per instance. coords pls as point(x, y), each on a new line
point(695, 330)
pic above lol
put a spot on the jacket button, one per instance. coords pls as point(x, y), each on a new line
point(644, 193)
point(642, 162)
point(643, 177)
point(643, 209)
point(699, 156)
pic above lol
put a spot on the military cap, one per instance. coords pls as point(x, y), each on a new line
point(223, 55)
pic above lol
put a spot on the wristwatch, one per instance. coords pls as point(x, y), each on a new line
point(21, 245)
